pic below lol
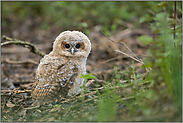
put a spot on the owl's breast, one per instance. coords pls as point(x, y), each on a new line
point(80, 67)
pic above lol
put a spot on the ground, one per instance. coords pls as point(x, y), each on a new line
point(18, 66)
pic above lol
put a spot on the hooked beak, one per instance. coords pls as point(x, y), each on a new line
point(72, 51)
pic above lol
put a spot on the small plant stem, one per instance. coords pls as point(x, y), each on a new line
point(133, 66)
point(174, 16)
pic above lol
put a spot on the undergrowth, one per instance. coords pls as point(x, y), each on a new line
point(165, 76)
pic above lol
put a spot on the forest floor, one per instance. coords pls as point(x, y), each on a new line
point(18, 67)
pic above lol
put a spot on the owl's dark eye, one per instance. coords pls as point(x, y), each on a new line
point(67, 46)
point(78, 46)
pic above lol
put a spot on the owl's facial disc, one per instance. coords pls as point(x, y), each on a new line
point(72, 47)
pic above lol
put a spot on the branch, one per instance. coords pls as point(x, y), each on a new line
point(16, 91)
point(19, 62)
point(130, 56)
point(28, 45)
point(134, 56)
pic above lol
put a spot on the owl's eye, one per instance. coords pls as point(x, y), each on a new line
point(78, 46)
point(67, 46)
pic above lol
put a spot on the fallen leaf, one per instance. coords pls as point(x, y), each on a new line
point(9, 104)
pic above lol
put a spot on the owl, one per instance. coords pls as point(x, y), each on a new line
point(58, 73)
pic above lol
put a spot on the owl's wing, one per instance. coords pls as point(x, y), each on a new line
point(54, 79)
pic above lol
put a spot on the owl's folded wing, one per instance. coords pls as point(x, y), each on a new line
point(53, 80)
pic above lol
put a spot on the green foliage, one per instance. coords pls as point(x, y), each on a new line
point(146, 39)
point(107, 106)
point(165, 57)
point(158, 7)
point(86, 77)
point(133, 70)
point(165, 78)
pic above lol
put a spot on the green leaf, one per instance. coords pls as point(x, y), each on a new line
point(57, 106)
point(145, 18)
point(84, 24)
point(139, 75)
point(161, 17)
point(146, 39)
point(162, 4)
point(88, 76)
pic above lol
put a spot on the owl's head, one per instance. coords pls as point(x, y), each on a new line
point(72, 44)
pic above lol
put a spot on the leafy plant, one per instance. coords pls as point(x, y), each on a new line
point(165, 78)
point(86, 77)
point(165, 58)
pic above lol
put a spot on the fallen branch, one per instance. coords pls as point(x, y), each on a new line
point(16, 91)
point(28, 45)
point(20, 62)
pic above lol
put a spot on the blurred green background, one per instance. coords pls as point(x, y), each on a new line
point(57, 16)
point(62, 15)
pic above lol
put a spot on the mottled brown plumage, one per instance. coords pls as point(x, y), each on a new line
point(58, 74)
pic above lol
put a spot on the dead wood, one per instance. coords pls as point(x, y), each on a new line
point(20, 62)
point(28, 45)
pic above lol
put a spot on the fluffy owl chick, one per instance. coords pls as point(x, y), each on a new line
point(58, 74)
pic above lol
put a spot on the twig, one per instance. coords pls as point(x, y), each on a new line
point(37, 106)
point(124, 86)
point(19, 62)
point(119, 43)
point(129, 56)
point(109, 60)
point(89, 83)
point(28, 45)
point(169, 6)
point(16, 91)
point(95, 80)
point(73, 97)
point(126, 98)
point(100, 81)
point(133, 59)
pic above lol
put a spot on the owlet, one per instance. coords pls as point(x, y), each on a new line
point(58, 74)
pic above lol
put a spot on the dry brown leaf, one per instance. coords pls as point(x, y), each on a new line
point(9, 104)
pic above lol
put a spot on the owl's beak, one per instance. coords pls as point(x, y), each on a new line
point(72, 51)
